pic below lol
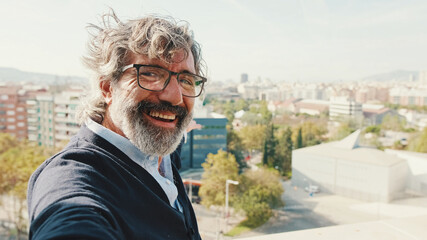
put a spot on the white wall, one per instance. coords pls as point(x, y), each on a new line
point(354, 179)
point(311, 169)
point(416, 178)
point(398, 180)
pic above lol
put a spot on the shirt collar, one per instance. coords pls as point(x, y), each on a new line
point(148, 162)
point(126, 146)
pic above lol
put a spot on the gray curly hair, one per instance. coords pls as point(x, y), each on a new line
point(112, 41)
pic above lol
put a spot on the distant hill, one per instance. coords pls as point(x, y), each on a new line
point(18, 76)
point(398, 75)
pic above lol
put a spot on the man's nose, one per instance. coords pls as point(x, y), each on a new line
point(172, 93)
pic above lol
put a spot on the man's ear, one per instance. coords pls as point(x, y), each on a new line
point(107, 90)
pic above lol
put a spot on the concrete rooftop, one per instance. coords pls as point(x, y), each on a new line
point(409, 228)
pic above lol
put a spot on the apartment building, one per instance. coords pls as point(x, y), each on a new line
point(51, 117)
point(372, 93)
point(13, 110)
point(344, 108)
point(45, 120)
point(407, 96)
point(65, 110)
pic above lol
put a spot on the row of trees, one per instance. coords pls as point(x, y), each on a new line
point(18, 160)
point(275, 142)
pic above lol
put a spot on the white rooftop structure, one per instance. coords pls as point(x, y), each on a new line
point(350, 142)
point(417, 168)
point(349, 149)
point(347, 169)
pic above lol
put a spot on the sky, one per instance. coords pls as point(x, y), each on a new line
point(280, 40)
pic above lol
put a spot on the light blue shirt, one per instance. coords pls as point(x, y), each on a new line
point(149, 163)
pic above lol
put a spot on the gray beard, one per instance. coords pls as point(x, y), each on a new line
point(154, 140)
point(147, 137)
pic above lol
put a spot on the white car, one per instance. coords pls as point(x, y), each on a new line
point(312, 189)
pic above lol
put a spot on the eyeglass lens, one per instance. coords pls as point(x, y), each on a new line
point(154, 78)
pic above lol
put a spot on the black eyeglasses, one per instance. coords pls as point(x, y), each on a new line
point(154, 78)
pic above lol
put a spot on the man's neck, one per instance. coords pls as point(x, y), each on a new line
point(109, 124)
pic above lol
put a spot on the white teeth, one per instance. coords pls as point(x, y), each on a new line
point(159, 115)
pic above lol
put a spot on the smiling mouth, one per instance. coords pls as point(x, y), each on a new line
point(162, 117)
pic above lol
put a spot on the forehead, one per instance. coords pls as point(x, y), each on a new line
point(179, 62)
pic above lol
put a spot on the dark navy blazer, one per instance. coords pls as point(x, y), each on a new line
point(92, 190)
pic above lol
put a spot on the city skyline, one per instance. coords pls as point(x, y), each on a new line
point(308, 41)
point(14, 75)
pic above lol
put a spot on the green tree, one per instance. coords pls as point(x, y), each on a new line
point(342, 132)
point(345, 129)
point(265, 113)
point(258, 114)
point(313, 133)
point(309, 133)
point(375, 129)
point(17, 163)
point(7, 141)
point(299, 143)
point(235, 147)
point(241, 104)
point(217, 169)
point(252, 137)
point(419, 143)
point(256, 209)
point(394, 123)
point(284, 152)
point(269, 151)
point(259, 192)
point(251, 118)
point(228, 110)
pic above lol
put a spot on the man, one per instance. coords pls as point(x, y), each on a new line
point(117, 178)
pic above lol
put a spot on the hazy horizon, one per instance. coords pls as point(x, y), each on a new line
point(3, 78)
point(296, 40)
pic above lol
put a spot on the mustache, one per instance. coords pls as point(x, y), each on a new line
point(147, 106)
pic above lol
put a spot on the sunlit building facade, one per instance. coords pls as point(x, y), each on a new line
point(344, 108)
point(13, 110)
point(65, 115)
point(52, 117)
point(408, 96)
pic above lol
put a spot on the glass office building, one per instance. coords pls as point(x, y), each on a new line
point(209, 139)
